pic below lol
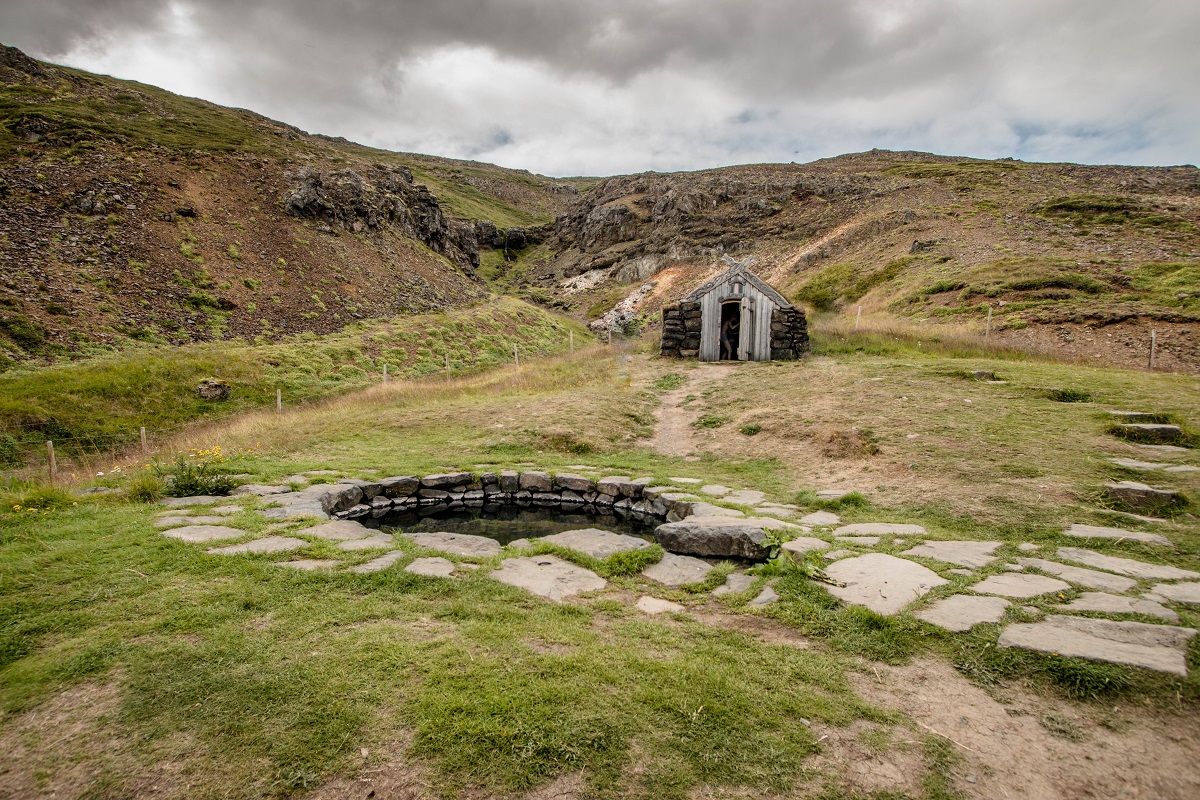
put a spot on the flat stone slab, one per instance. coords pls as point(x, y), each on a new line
point(1080, 576)
point(1133, 463)
point(656, 605)
point(1125, 566)
point(459, 544)
point(775, 511)
point(833, 494)
point(686, 480)
point(431, 567)
point(834, 555)
point(548, 577)
point(204, 533)
point(1121, 604)
point(734, 582)
point(820, 518)
point(702, 509)
point(184, 502)
point(1080, 531)
point(339, 530)
point(714, 536)
point(880, 529)
point(1020, 585)
point(1182, 468)
point(271, 544)
point(883, 583)
point(765, 597)
point(1157, 647)
point(1163, 448)
point(378, 541)
point(310, 564)
point(746, 497)
point(1152, 430)
point(805, 544)
point(964, 554)
point(225, 510)
point(378, 564)
point(716, 490)
point(862, 541)
point(1133, 416)
point(961, 612)
point(261, 490)
point(674, 570)
point(1139, 495)
point(1028, 547)
point(175, 522)
point(1178, 592)
point(596, 543)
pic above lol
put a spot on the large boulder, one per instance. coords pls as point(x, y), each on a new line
point(713, 536)
point(213, 389)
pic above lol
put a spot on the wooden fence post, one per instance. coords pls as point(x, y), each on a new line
point(1153, 346)
point(278, 401)
point(858, 319)
point(385, 373)
point(571, 343)
point(53, 463)
point(988, 331)
point(145, 445)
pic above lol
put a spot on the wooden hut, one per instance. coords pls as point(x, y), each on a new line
point(735, 316)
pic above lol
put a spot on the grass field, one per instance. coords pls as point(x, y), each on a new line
point(228, 677)
point(95, 407)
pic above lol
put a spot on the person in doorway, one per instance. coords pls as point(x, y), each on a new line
point(729, 333)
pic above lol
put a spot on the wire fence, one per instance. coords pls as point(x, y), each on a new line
point(57, 455)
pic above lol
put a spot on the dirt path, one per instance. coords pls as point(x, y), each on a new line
point(1018, 744)
point(673, 431)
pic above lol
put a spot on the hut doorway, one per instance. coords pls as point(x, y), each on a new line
point(731, 330)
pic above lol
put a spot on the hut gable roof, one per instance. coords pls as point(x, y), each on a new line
point(738, 270)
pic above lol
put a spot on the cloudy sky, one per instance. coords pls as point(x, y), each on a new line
point(570, 87)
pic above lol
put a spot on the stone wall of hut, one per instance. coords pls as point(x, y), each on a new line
point(681, 330)
point(789, 334)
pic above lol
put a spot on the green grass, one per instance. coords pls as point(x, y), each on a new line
point(284, 675)
point(276, 679)
point(94, 404)
point(670, 381)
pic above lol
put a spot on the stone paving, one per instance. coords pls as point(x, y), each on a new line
point(888, 583)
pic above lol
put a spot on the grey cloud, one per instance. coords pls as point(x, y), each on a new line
point(587, 85)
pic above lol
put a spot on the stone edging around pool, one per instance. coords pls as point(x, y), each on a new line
point(711, 530)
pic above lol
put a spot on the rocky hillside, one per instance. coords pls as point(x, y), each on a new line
point(1083, 259)
point(131, 212)
point(127, 212)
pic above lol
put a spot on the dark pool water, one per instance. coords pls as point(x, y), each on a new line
point(508, 524)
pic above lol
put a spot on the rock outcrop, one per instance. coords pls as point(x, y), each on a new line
point(385, 196)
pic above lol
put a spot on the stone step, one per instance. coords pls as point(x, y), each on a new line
point(1137, 644)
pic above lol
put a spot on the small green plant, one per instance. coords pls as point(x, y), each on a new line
point(1069, 396)
point(753, 429)
point(251, 283)
point(670, 381)
point(145, 487)
point(808, 498)
point(710, 421)
point(1086, 680)
point(200, 472)
point(200, 300)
